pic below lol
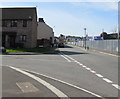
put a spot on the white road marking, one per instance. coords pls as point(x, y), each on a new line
point(92, 71)
point(49, 86)
point(107, 80)
point(84, 66)
point(99, 75)
point(109, 54)
point(79, 63)
point(94, 94)
point(88, 68)
point(116, 86)
point(65, 57)
point(68, 56)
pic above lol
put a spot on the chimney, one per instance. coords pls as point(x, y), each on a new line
point(41, 20)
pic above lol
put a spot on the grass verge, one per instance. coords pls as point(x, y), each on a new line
point(44, 49)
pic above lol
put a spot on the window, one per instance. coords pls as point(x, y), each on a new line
point(4, 23)
point(24, 23)
point(22, 37)
point(14, 23)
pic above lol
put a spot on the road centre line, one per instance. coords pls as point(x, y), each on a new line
point(107, 80)
point(64, 57)
point(84, 66)
point(116, 86)
point(94, 94)
point(94, 72)
point(88, 68)
point(68, 56)
point(99, 75)
point(46, 84)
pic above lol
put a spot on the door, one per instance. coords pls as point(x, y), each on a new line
point(12, 41)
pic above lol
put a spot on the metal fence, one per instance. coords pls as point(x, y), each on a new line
point(103, 45)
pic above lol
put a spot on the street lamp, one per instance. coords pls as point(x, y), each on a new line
point(85, 37)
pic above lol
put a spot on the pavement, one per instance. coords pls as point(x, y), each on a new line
point(73, 71)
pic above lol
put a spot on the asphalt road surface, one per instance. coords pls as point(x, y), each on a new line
point(71, 72)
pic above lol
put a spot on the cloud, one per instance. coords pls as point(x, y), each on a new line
point(106, 6)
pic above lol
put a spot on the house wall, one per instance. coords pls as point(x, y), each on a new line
point(30, 31)
point(44, 32)
point(34, 32)
point(0, 28)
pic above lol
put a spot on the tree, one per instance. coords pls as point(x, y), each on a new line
point(104, 35)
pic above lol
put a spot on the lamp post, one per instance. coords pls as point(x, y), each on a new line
point(85, 37)
point(118, 30)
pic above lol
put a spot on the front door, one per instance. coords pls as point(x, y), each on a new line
point(3, 40)
point(12, 41)
point(8, 39)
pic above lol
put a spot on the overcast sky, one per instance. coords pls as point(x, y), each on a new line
point(70, 18)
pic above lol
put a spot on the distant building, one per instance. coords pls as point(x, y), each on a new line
point(98, 38)
point(89, 38)
point(109, 36)
point(73, 39)
point(112, 36)
point(45, 34)
point(19, 27)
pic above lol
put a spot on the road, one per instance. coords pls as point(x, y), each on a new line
point(72, 72)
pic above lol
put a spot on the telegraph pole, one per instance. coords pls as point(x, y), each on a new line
point(103, 34)
point(85, 37)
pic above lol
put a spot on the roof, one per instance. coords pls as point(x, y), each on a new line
point(19, 13)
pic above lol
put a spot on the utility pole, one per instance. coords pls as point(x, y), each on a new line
point(85, 37)
point(118, 34)
point(103, 34)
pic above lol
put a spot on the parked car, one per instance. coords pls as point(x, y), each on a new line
point(3, 49)
point(61, 44)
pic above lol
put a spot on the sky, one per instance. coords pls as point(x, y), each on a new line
point(70, 18)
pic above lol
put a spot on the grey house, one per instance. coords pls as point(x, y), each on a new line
point(45, 34)
point(19, 27)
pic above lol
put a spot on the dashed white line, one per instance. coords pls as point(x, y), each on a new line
point(65, 57)
point(79, 63)
point(94, 72)
point(107, 80)
point(88, 68)
point(48, 85)
point(99, 75)
point(84, 66)
point(116, 86)
point(68, 56)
